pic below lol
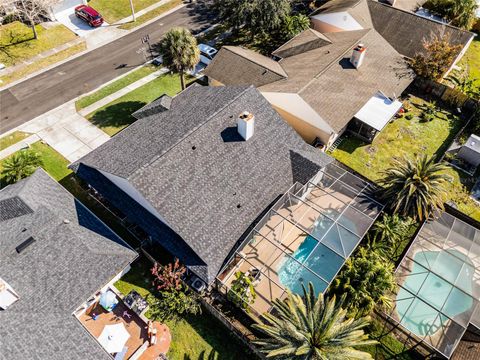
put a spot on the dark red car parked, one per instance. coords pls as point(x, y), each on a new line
point(89, 15)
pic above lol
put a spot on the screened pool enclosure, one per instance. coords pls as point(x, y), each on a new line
point(439, 284)
point(305, 237)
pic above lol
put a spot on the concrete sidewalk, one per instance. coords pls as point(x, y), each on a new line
point(64, 130)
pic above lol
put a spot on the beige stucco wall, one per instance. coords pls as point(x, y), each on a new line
point(323, 27)
point(213, 82)
point(304, 129)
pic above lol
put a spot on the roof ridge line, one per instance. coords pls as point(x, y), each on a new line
point(332, 62)
point(246, 58)
point(309, 29)
point(155, 158)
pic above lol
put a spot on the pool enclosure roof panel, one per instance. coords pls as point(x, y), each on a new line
point(378, 111)
point(439, 283)
point(308, 234)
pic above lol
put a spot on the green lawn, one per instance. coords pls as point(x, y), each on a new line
point(193, 338)
point(408, 138)
point(151, 14)
point(117, 115)
point(115, 86)
point(13, 138)
point(113, 11)
point(389, 347)
point(17, 42)
point(42, 64)
point(472, 60)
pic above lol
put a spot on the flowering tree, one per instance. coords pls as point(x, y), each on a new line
point(168, 277)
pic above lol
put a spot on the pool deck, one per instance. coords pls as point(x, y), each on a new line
point(280, 236)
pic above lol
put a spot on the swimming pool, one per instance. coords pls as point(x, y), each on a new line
point(431, 279)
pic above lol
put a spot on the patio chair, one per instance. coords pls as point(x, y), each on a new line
point(127, 315)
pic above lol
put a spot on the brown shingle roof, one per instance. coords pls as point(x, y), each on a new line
point(234, 65)
point(340, 92)
point(307, 40)
point(406, 31)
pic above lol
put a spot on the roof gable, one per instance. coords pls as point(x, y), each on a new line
point(305, 41)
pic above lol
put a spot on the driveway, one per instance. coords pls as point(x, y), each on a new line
point(65, 14)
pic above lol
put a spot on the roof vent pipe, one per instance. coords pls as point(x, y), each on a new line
point(358, 55)
point(245, 125)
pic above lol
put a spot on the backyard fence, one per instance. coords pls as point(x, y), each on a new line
point(450, 95)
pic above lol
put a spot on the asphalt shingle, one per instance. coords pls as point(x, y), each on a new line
point(68, 262)
point(202, 178)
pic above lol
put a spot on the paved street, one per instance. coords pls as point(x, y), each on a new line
point(25, 101)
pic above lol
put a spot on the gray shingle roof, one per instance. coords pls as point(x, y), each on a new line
point(53, 276)
point(196, 177)
point(163, 103)
point(406, 31)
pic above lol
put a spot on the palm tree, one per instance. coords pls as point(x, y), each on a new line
point(387, 233)
point(415, 188)
point(180, 51)
point(366, 281)
point(312, 328)
point(20, 165)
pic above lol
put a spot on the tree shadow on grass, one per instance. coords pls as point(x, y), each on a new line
point(116, 115)
point(214, 333)
point(212, 355)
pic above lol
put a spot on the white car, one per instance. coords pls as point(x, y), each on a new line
point(207, 53)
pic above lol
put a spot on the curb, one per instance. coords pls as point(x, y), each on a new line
point(2, 88)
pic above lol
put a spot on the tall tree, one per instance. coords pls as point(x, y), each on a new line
point(20, 165)
point(436, 59)
point(365, 281)
point(180, 51)
point(311, 328)
point(31, 11)
point(415, 188)
point(257, 16)
point(461, 13)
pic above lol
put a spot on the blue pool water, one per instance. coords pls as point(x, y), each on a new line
point(421, 317)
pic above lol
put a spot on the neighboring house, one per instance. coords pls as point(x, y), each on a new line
point(55, 254)
point(193, 179)
point(349, 66)
point(470, 151)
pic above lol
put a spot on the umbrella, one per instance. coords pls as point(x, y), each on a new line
point(113, 338)
point(108, 300)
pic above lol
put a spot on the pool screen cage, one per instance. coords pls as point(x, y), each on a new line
point(439, 284)
point(305, 237)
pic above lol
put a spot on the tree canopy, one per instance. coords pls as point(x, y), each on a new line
point(436, 59)
point(365, 281)
point(460, 13)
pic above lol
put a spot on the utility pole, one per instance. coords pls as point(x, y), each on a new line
point(133, 10)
